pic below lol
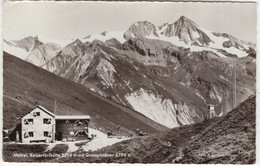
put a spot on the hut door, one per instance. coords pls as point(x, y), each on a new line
point(59, 136)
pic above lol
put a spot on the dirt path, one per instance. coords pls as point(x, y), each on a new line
point(50, 147)
point(72, 147)
point(100, 141)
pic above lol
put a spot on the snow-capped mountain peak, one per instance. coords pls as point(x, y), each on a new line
point(187, 31)
point(141, 29)
point(184, 29)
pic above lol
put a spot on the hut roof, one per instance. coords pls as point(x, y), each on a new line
point(72, 117)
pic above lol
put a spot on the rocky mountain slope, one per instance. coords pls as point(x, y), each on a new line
point(168, 73)
point(25, 84)
point(226, 140)
point(147, 81)
point(32, 50)
point(114, 75)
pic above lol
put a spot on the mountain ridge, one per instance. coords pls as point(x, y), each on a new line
point(182, 32)
point(153, 70)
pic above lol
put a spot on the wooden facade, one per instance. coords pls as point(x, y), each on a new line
point(42, 125)
point(72, 128)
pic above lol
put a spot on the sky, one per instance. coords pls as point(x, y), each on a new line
point(71, 20)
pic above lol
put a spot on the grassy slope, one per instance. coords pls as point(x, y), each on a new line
point(9, 150)
point(25, 84)
point(36, 149)
point(229, 139)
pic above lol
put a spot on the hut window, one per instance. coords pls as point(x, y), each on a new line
point(46, 121)
point(47, 134)
point(28, 121)
point(81, 133)
point(78, 122)
point(31, 134)
point(26, 135)
point(36, 114)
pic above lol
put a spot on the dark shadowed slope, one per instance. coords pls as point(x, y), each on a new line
point(229, 139)
point(26, 84)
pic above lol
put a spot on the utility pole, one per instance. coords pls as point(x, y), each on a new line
point(55, 107)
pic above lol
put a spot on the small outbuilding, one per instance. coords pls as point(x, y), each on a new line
point(72, 128)
point(211, 111)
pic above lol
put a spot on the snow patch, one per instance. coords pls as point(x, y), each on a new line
point(61, 42)
point(93, 89)
point(218, 44)
point(195, 34)
point(213, 46)
point(176, 41)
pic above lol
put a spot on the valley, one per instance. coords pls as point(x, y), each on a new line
point(156, 83)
